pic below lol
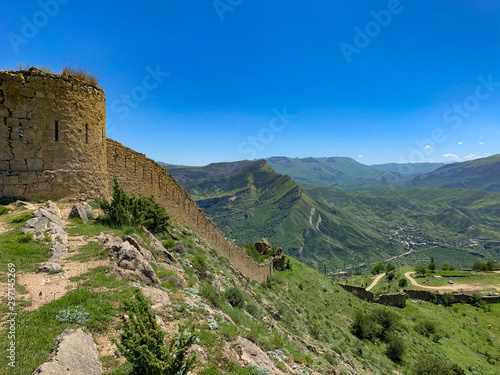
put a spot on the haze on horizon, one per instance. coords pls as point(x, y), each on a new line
point(192, 84)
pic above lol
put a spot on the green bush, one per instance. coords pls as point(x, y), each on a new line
point(211, 294)
point(142, 342)
point(129, 211)
point(235, 297)
point(403, 282)
point(3, 210)
point(395, 347)
point(426, 328)
point(253, 309)
point(90, 214)
point(168, 244)
point(25, 237)
point(434, 365)
point(200, 266)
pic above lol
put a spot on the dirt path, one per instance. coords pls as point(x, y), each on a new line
point(375, 281)
point(472, 286)
point(3, 225)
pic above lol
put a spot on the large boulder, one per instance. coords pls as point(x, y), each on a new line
point(158, 247)
point(126, 257)
point(75, 354)
point(251, 354)
point(58, 251)
point(139, 244)
point(47, 221)
point(79, 211)
point(48, 267)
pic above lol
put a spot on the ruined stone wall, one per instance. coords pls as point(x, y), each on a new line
point(52, 136)
point(359, 292)
point(396, 300)
point(139, 175)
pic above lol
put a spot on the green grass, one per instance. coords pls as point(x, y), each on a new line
point(23, 254)
point(90, 251)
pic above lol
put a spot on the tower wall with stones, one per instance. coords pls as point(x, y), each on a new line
point(53, 144)
point(139, 175)
point(52, 136)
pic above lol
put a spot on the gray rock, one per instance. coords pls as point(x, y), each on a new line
point(79, 211)
point(48, 267)
point(75, 354)
point(158, 247)
point(157, 296)
point(180, 248)
point(47, 221)
point(24, 205)
point(58, 251)
point(127, 257)
point(139, 244)
point(251, 354)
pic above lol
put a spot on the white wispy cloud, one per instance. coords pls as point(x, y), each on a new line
point(360, 156)
point(460, 143)
point(472, 157)
point(427, 147)
point(451, 156)
point(481, 143)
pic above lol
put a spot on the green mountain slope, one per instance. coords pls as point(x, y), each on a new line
point(408, 171)
point(249, 200)
point(339, 172)
point(464, 224)
point(482, 174)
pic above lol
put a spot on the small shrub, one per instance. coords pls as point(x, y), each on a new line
point(200, 266)
point(253, 309)
point(129, 230)
point(395, 347)
point(448, 299)
point(142, 342)
point(90, 214)
point(426, 328)
point(235, 297)
point(211, 294)
point(403, 282)
point(76, 315)
point(24, 238)
point(3, 210)
point(168, 244)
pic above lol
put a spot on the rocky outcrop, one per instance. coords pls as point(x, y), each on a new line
point(251, 354)
point(158, 247)
point(75, 354)
point(128, 259)
point(79, 211)
point(49, 267)
point(47, 221)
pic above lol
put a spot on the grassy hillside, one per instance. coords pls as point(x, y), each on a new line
point(249, 200)
point(457, 225)
point(300, 320)
point(479, 174)
point(408, 171)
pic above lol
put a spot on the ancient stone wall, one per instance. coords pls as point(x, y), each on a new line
point(52, 136)
point(396, 300)
point(53, 144)
point(139, 175)
point(359, 292)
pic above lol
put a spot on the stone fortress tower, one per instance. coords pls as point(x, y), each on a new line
point(53, 144)
point(52, 136)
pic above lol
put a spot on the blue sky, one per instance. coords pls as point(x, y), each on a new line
point(198, 82)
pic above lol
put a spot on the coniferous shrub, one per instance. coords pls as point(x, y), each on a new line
point(127, 211)
point(235, 297)
point(143, 345)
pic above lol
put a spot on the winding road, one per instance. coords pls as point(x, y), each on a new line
point(375, 281)
point(474, 286)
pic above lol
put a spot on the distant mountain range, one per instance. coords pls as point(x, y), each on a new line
point(248, 200)
point(480, 174)
point(321, 222)
point(343, 172)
